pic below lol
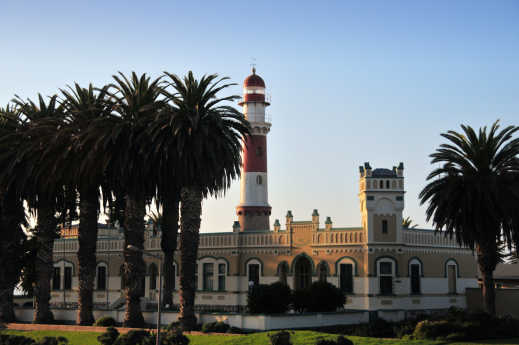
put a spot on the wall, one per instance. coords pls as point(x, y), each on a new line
point(507, 301)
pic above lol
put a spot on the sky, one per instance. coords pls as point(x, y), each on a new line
point(350, 81)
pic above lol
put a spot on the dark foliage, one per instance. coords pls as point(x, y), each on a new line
point(109, 337)
point(215, 327)
point(340, 341)
point(105, 321)
point(319, 297)
point(269, 299)
point(280, 338)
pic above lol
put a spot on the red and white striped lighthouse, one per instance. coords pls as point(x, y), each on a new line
point(254, 210)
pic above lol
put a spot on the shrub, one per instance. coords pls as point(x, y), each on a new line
point(9, 339)
point(105, 321)
point(325, 297)
point(435, 329)
point(280, 338)
point(109, 337)
point(344, 341)
point(134, 337)
point(299, 300)
point(340, 341)
point(215, 327)
point(174, 338)
point(269, 299)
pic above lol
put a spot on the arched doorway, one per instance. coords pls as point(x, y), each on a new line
point(302, 273)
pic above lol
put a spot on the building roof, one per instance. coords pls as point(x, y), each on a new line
point(253, 80)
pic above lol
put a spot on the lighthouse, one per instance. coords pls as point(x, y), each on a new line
point(254, 210)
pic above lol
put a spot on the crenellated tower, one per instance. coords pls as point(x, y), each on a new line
point(381, 203)
point(254, 210)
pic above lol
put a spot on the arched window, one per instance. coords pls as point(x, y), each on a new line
point(415, 274)
point(322, 271)
point(122, 273)
point(345, 270)
point(253, 272)
point(283, 273)
point(222, 273)
point(386, 269)
point(381, 184)
point(451, 267)
point(101, 276)
point(153, 276)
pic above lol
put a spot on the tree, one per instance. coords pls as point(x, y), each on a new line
point(12, 218)
point(407, 222)
point(81, 107)
point(474, 196)
point(28, 173)
point(119, 143)
point(203, 138)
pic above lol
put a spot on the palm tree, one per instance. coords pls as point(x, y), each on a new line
point(27, 173)
point(407, 222)
point(120, 145)
point(203, 140)
point(82, 106)
point(475, 194)
point(12, 218)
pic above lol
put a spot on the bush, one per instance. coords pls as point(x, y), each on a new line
point(174, 338)
point(269, 299)
point(109, 337)
point(215, 327)
point(340, 341)
point(435, 329)
point(8, 339)
point(105, 321)
point(280, 338)
point(319, 297)
point(135, 337)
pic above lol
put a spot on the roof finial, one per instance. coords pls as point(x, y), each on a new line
point(253, 64)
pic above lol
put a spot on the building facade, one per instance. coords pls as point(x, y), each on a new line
point(379, 265)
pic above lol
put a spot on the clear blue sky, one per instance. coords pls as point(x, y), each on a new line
point(350, 81)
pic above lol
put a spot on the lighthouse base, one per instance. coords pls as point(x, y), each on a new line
point(254, 218)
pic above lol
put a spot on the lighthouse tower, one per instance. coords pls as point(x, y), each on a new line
point(254, 210)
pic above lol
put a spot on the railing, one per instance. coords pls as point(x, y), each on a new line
point(428, 238)
point(330, 238)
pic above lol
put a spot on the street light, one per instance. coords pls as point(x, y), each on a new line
point(135, 249)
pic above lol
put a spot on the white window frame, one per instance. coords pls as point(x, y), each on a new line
point(102, 264)
point(415, 261)
point(392, 274)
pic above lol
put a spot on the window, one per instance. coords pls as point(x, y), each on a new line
point(381, 184)
point(346, 278)
point(452, 277)
point(386, 278)
point(68, 278)
point(387, 184)
point(323, 273)
point(371, 197)
point(399, 198)
point(196, 276)
point(259, 179)
point(101, 278)
point(254, 273)
point(384, 226)
point(415, 279)
point(221, 277)
point(153, 277)
point(56, 279)
point(208, 273)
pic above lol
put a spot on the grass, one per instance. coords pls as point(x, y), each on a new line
point(298, 338)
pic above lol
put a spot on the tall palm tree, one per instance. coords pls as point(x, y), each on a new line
point(46, 196)
point(81, 107)
point(203, 138)
point(475, 194)
point(12, 217)
point(120, 145)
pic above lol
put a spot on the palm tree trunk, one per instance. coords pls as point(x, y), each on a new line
point(134, 265)
point(46, 234)
point(191, 210)
point(87, 238)
point(12, 215)
point(169, 243)
point(487, 261)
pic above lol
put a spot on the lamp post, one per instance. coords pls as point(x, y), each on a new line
point(135, 249)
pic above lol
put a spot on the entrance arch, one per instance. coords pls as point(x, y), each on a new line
point(302, 273)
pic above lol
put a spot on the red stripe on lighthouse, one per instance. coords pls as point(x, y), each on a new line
point(255, 154)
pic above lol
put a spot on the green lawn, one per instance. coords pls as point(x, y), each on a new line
point(298, 338)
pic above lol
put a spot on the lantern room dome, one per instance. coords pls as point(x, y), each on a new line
point(254, 80)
